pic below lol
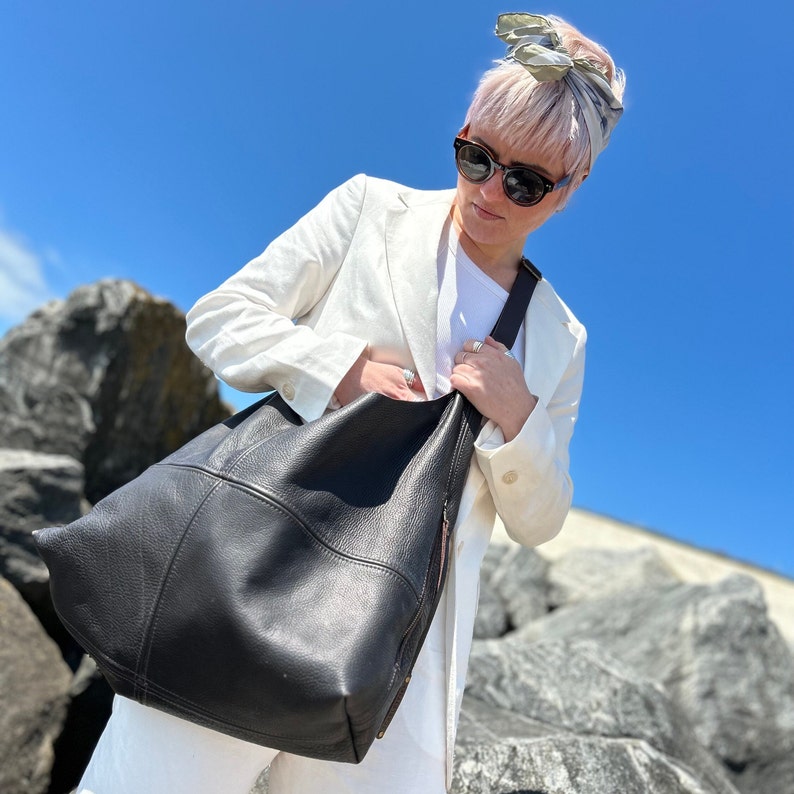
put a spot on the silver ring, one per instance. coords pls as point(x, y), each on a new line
point(410, 377)
point(509, 354)
point(475, 348)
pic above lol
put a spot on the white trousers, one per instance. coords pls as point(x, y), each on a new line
point(145, 751)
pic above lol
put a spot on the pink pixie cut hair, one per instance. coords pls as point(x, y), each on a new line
point(542, 117)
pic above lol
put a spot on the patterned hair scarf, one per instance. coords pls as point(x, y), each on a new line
point(535, 44)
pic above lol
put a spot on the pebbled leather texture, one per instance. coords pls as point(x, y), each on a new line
point(273, 580)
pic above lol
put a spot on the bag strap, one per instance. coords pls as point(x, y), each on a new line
point(507, 326)
point(509, 322)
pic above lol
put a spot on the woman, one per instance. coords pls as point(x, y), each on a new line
point(394, 290)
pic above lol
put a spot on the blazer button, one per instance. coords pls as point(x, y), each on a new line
point(509, 477)
point(288, 391)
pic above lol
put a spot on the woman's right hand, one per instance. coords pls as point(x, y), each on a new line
point(368, 376)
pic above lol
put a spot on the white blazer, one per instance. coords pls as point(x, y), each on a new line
point(357, 272)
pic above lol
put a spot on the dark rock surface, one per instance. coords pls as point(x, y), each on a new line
point(107, 378)
point(34, 685)
point(519, 577)
point(36, 490)
point(90, 701)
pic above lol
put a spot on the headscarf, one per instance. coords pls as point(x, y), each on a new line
point(535, 44)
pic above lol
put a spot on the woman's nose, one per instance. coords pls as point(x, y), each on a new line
point(492, 188)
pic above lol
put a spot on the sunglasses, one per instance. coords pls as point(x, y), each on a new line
point(522, 185)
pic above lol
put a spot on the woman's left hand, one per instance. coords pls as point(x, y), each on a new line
point(494, 383)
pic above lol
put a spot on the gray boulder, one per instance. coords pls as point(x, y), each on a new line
point(90, 704)
point(34, 686)
point(775, 776)
point(584, 574)
point(714, 650)
point(491, 619)
point(261, 785)
point(107, 378)
point(573, 765)
point(482, 722)
point(517, 575)
point(577, 687)
point(36, 490)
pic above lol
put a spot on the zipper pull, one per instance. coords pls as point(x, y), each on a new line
point(444, 535)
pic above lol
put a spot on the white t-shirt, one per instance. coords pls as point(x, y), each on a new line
point(469, 304)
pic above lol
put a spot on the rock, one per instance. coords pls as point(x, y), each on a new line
point(714, 650)
point(573, 765)
point(577, 687)
point(773, 777)
point(482, 723)
point(518, 576)
point(36, 490)
point(501, 752)
point(34, 686)
point(495, 553)
point(512, 590)
point(584, 574)
point(491, 619)
point(261, 785)
point(90, 704)
point(107, 378)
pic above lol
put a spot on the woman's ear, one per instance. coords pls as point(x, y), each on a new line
point(579, 181)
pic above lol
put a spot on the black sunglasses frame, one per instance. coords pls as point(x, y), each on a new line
point(548, 185)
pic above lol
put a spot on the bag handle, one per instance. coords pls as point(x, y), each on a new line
point(509, 322)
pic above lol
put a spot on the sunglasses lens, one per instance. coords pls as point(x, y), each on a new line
point(524, 186)
point(473, 163)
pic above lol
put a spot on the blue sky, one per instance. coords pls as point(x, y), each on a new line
point(170, 142)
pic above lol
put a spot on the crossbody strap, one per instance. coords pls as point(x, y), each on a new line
point(508, 324)
point(506, 328)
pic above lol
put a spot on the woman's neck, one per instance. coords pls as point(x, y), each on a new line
point(499, 262)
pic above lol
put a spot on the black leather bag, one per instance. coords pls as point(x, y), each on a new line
point(275, 580)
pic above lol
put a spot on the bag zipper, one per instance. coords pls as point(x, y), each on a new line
point(407, 680)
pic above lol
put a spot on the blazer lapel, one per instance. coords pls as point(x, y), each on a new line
point(413, 234)
point(548, 342)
